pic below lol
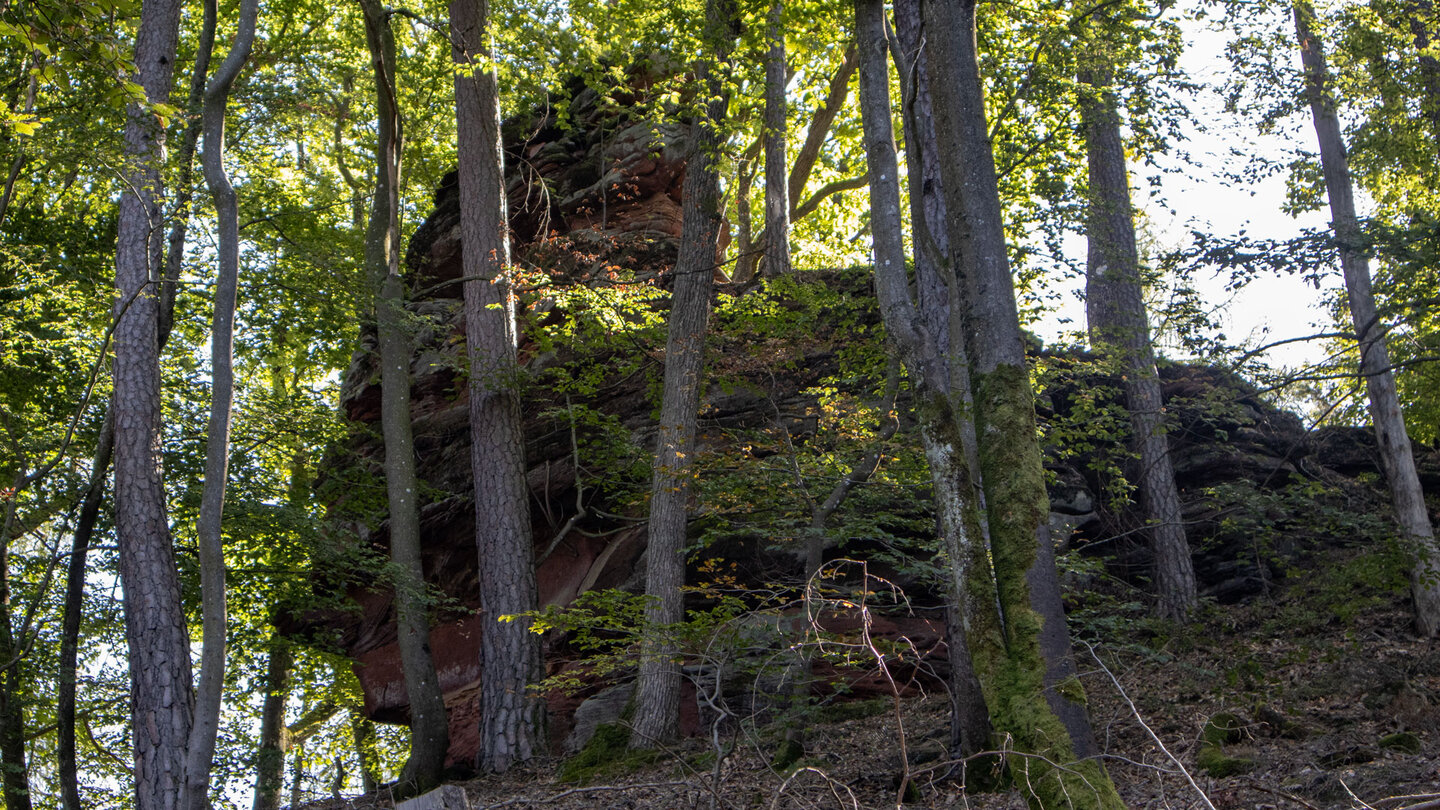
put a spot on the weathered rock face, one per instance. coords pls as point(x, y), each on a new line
point(1256, 486)
point(597, 204)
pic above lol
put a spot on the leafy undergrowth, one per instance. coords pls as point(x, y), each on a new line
point(1287, 705)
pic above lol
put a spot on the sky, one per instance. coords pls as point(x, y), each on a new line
point(1270, 308)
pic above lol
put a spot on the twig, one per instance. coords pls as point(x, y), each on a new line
point(1282, 794)
point(1141, 720)
point(1399, 800)
point(780, 791)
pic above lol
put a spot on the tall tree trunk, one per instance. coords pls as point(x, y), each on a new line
point(746, 257)
point(1423, 24)
point(938, 307)
point(15, 780)
point(274, 741)
point(1120, 327)
point(777, 195)
point(200, 751)
point(1037, 644)
point(942, 434)
point(512, 719)
point(158, 643)
point(657, 694)
point(362, 731)
point(429, 728)
point(1395, 454)
point(67, 770)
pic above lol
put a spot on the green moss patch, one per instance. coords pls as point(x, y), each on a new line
point(608, 754)
point(1214, 761)
point(1403, 741)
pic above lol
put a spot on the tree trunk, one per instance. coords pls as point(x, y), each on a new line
point(362, 731)
point(657, 694)
point(1037, 646)
point(66, 766)
point(1120, 327)
point(512, 719)
point(274, 742)
point(942, 433)
point(746, 257)
point(1395, 454)
point(938, 307)
point(15, 781)
point(158, 643)
point(429, 729)
point(200, 751)
point(67, 770)
point(1423, 23)
point(777, 196)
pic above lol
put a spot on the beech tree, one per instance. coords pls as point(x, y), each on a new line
point(200, 749)
point(1407, 497)
point(657, 691)
point(931, 366)
point(429, 728)
point(1028, 655)
point(512, 717)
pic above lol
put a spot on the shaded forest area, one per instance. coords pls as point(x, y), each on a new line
point(629, 405)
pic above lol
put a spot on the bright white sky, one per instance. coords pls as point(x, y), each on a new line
point(1270, 308)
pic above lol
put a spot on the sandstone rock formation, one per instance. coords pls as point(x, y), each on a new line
point(594, 204)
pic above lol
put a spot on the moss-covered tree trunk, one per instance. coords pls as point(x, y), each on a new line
point(1395, 454)
point(1120, 328)
point(274, 741)
point(1037, 659)
point(938, 308)
point(942, 432)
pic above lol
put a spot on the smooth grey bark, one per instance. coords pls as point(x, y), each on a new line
point(748, 259)
point(205, 725)
point(512, 718)
point(776, 246)
point(1406, 495)
point(429, 727)
point(1120, 328)
point(657, 692)
point(942, 434)
point(1037, 656)
point(156, 635)
point(938, 307)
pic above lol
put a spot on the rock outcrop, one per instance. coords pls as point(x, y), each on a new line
point(595, 207)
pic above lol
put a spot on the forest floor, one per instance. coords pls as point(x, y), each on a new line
point(1333, 703)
